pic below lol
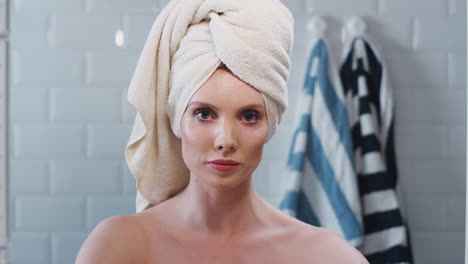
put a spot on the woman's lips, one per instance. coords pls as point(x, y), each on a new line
point(223, 167)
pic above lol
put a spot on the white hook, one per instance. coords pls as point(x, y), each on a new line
point(355, 26)
point(317, 26)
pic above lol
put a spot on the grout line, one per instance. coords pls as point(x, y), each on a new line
point(414, 34)
point(451, 7)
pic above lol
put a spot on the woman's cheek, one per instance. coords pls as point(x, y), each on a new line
point(189, 128)
point(199, 135)
point(259, 133)
point(255, 138)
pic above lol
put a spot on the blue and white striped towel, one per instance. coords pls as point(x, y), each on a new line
point(370, 107)
point(322, 189)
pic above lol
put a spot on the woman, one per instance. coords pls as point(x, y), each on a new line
point(217, 81)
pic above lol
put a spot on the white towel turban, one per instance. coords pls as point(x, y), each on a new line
point(187, 43)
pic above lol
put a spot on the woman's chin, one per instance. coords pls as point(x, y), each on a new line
point(223, 180)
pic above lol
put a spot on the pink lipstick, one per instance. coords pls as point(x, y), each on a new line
point(224, 165)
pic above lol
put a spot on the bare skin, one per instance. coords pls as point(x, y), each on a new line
point(218, 218)
point(275, 238)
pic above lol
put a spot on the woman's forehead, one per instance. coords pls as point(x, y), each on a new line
point(224, 89)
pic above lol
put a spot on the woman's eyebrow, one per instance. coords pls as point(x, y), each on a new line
point(198, 103)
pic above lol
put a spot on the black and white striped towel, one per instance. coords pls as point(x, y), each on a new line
point(370, 109)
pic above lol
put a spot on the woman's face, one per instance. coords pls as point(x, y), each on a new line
point(224, 120)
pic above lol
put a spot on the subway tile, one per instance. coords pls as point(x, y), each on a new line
point(30, 247)
point(85, 177)
point(299, 58)
point(99, 209)
point(29, 104)
point(336, 7)
point(427, 212)
point(457, 8)
point(31, 68)
point(47, 6)
point(163, 3)
point(432, 177)
point(44, 213)
point(277, 176)
point(136, 29)
point(84, 32)
point(29, 177)
point(114, 6)
point(107, 141)
point(394, 33)
point(456, 101)
point(128, 110)
point(85, 105)
point(4, 12)
point(457, 70)
point(451, 34)
point(278, 146)
point(400, 196)
point(413, 7)
point(260, 179)
point(456, 213)
point(290, 118)
point(417, 70)
point(115, 68)
point(48, 141)
point(297, 8)
point(438, 247)
point(421, 142)
point(457, 141)
point(29, 32)
point(129, 182)
point(65, 246)
point(420, 106)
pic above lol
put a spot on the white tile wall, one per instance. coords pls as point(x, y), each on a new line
point(46, 6)
point(432, 34)
point(414, 7)
point(30, 26)
point(65, 245)
point(457, 70)
point(114, 6)
point(428, 70)
point(101, 104)
point(70, 178)
point(33, 68)
point(36, 244)
point(3, 152)
point(4, 234)
point(350, 8)
point(70, 120)
point(109, 68)
point(79, 32)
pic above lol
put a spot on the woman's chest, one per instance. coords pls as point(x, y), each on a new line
point(213, 256)
point(169, 250)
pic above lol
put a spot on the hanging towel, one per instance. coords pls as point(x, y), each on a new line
point(370, 107)
point(322, 189)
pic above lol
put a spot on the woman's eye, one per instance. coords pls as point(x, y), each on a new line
point(251, 116)
point(202, 114)
point(248, 116)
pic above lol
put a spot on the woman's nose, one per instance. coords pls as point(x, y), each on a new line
point(225, 139)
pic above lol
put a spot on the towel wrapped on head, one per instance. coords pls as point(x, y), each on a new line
point(189, 40)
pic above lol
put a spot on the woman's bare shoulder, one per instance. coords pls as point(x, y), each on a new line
point(331, 247)
point(117, 239)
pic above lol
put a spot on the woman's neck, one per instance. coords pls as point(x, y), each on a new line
point(225, 213)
